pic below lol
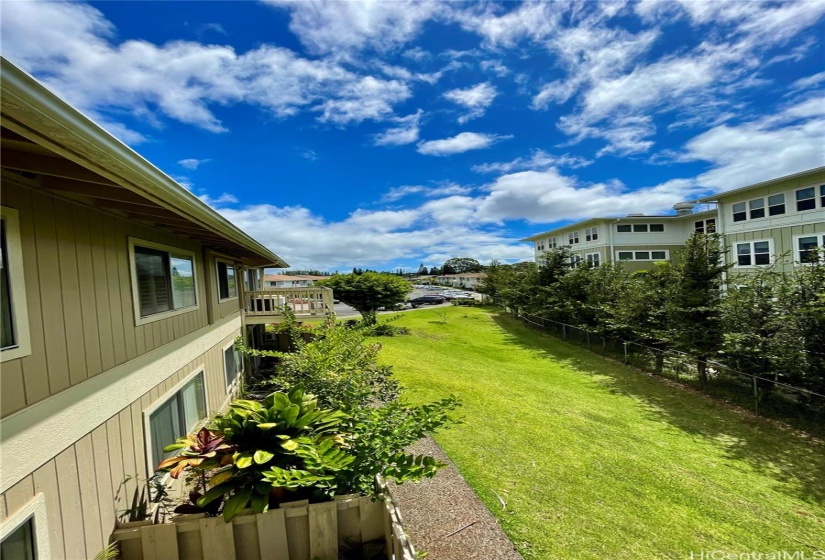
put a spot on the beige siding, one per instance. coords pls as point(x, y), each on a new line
point(229, 307)
point(782, 238)
point(80, 307)
point(84, 485)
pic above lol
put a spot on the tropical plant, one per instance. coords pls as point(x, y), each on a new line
point(258, 451)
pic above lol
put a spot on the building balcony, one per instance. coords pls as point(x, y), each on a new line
point(267, 306)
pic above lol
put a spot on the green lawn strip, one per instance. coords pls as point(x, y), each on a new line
point(595, 459)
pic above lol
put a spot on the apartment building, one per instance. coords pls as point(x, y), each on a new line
point(780, 222)
point(122, 296)
point(290, 281)
point(637, 241)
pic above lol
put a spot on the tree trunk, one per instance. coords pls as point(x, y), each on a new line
point(369, 316)
point(660, 362)
point(702, 369)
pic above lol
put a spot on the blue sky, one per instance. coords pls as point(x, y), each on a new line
point(387, 134)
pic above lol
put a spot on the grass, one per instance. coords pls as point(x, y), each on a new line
point(596, 460)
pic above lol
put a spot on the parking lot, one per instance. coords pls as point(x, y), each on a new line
point(343, 310)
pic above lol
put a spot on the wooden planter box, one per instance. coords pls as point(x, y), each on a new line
point(295, 531)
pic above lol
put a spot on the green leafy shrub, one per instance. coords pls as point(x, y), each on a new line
point(340, 367)
point(380, 437)
point(258, 451)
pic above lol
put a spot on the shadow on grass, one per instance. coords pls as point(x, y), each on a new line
point(795, 459)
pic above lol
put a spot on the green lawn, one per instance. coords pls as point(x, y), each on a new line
point(595, 460)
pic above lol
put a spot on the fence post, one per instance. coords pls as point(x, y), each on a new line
point(588, 340)
point(626, 361)
point(564, 331)
point(755, 396)
point(678, 367)
point(543, 326)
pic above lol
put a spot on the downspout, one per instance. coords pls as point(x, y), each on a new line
point(720, 229)
point(610, 237)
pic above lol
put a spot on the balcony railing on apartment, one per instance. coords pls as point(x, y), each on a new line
point(266, 306)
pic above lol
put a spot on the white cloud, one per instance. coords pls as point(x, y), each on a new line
point(618, 90)
point(417, 54)
point(306, 153)
point(808, 81)
point(548, 196)
point(70, 47)
point(365, 99)
point(222, 200)
point(305, 240)
point(328, 26)
point(477, 99)
point(460, 143)
point(192, 163)
point(531, 20)
point(397, 193)
point(405, 133)
point(448, 189)
point(762, 149)
point(494, 66)
point(538, 160)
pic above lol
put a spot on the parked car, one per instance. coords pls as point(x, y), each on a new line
point(428, 300)
point(457, 295)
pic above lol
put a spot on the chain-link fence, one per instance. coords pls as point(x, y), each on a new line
point(765, 396)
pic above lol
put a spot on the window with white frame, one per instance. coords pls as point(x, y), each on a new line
point(575, 260)
point(14, 321)
point(24, 533)
point(640, 228)
point(776, 204)
point(227, 285)
point(19, 545)
point(808, 248)
point(573, 238)
point(591, 234)
point(539, 245)
point(822, 196)
point(164, 279)
point(756, 208)
point(642, 255)
point(233, 365)
point(806, 199)
point(754, 253)
point(552, 243)
point(177, 415)
point(593, 259)
point(740, 212)
point(705, 226)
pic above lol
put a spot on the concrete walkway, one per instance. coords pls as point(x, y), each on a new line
point(444, 518)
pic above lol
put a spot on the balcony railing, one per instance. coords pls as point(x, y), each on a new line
point(266, 306)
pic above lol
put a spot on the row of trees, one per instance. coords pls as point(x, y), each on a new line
point(457, 265)
point(767, 323)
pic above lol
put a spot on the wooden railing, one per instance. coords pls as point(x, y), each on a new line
point(295, 531)
point(262, 305)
